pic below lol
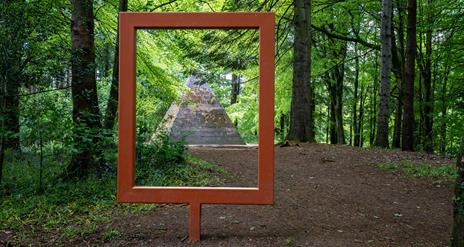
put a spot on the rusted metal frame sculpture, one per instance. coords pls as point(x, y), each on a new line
point(128, 191)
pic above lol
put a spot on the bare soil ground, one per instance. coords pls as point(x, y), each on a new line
point(326, 195)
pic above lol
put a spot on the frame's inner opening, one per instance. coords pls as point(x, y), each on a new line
point(197, 107)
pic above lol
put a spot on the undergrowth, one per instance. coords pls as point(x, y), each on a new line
point(74, 208)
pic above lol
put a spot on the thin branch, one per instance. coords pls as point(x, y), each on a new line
point(346, 38)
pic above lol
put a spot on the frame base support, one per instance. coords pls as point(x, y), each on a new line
point(194, 222)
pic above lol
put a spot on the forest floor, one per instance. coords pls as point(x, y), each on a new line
point(326, 195)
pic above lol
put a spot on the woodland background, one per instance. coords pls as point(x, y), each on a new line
point(364, 73)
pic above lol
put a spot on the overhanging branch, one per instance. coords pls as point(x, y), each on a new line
point(346, 38)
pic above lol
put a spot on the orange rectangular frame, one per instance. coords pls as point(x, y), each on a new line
point(127, 191)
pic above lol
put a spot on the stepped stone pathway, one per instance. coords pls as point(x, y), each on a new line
point(200, 118)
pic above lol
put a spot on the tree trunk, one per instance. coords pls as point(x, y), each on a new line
point(444, 111)
point(301, 115)
point(457, 239)
point(235, 89)
point(360, 137)
point(12, 114)
point(14, 32)
point(112, 105)
point(333, 129)
point(428, 92)
point(398, 70)
point(408, 106)
point(328, 122)
point(2, 132)
point(86, 115)
point(339, 73)
point(355, 101)
point(383, 117)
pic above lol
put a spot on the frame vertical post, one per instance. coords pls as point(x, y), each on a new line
point(194, 222)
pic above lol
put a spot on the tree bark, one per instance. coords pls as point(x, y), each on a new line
point(383, 117)
point(444, 110)
point(336, 95)
point(427, 79)
point(355, 103)
point(361, 120)
point(112, 104)
point(398, 69)
point(86, 115)
point(12, 115)
point(14, 32)
point(408, 106)
point(235, 89)
point(457, 238)
point(301, 114)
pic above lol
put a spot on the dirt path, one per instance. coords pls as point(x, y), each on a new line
point(325, 196)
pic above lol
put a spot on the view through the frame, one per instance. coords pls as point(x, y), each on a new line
point(196, 94)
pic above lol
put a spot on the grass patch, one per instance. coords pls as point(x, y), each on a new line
point(111, 234)
point(441, 173)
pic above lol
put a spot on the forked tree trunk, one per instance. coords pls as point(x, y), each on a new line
point(408, 106)
point(383, 117)
point(301, 115)
point(86, 114)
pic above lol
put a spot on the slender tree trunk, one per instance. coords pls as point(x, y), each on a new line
point(408, 117)
point(282, 126)
point(301, 115)
point(398, 70)
point(235, 89)
point(2, 157)
point(12, 115)
point(86, 115)
point(338, 102)
point(359, 137)
point(444, 111)
point(2, 132)
point(112, 105)
point(457, 239)
point(355, 101)
point(328, 123)
point(428, 92)
point(333, 129)
point(385, 69)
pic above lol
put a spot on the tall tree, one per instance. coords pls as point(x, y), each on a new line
point(301, 113)
point(444, 109)
point(13, 35)
point(427, 83)
point(457, 239)
point(383, 117)
point(355, 99)
point(86, 113)
point(112, 104)
point(398, 60)
point(334, 82)
point(408, 93)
